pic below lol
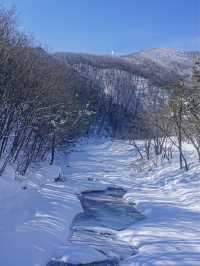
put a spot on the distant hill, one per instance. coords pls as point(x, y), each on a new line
point(130, 80)
point(159, 65)
point(174, 60)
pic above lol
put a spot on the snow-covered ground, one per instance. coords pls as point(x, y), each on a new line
point(35, 222)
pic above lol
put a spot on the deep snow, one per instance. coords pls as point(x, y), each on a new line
point(35, 222)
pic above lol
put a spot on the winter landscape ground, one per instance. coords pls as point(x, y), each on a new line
point(168, 198)
point(99, 133)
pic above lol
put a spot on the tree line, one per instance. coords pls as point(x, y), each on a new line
point(43, 102)
point(172, 117)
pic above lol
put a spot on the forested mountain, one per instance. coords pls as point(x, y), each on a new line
point(132, 82)
point(159, 66)
point(176, 61)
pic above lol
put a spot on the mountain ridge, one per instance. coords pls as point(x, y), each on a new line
point(158, 65)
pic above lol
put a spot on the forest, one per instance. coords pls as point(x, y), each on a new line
point(47, 101)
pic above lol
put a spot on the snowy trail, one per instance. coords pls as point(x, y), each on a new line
point(40, 217)
point(169, 198)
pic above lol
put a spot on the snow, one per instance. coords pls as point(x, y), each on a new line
point(167, 56)
point(168, 197)
point(85, 254)
point(35, 221)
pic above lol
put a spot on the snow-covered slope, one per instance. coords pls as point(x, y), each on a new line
point(177, 60)
point(165, 56)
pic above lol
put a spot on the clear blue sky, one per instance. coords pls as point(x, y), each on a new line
point(100, 26)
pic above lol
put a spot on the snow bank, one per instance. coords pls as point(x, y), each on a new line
point(34, 221)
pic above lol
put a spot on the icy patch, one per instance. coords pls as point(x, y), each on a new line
point(94, 230)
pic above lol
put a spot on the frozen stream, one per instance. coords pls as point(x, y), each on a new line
point(105, 213)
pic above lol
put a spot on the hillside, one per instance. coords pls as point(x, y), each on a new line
point(159, 66)
point(180, 62)
point(132, 82)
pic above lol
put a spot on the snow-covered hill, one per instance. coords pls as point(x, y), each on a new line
point(159, 65)
point(177, 60)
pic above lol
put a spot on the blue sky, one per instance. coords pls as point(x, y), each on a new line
point(102, 26)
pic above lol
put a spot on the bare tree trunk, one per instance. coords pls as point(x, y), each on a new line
point(138, 150)
point(53, 148)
